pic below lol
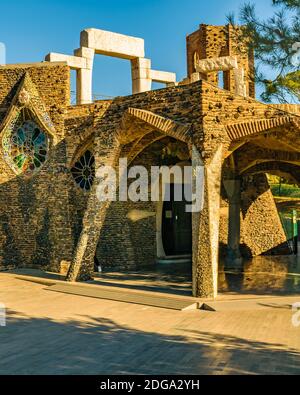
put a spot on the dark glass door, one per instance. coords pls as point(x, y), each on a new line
point(176, 226)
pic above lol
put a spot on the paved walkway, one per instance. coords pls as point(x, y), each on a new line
point(53, 333)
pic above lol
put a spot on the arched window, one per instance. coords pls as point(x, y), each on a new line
point(25, 146)
point(83, 171)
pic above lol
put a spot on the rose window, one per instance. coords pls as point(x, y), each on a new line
point(25, 146)
point(84, 171)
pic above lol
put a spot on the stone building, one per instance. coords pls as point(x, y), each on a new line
point(50, 150)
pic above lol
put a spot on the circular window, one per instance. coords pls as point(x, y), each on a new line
point(25, 147)
point(84, 171)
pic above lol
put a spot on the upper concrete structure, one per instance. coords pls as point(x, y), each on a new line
point(113, 44)
point(225, 63)
point(96, 41)
point(74, 62)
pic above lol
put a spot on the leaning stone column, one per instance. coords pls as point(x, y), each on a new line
point(82, 266)
point(234, 258)
point(206, 231)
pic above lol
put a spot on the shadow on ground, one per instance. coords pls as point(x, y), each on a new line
point(100, 346)
point(264, 275)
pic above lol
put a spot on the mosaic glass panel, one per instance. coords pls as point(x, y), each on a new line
point(25, 146)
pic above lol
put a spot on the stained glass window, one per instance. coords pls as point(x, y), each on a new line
point(25, 146)
point(84, 171)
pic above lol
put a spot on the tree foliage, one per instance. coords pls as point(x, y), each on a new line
point(276, 42)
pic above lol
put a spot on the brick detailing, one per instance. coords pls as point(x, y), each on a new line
point(285, 170)
point(157, 122)
point(244, 129)
point(245, 163)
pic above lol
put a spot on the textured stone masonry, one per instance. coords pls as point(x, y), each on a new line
point(47, 220)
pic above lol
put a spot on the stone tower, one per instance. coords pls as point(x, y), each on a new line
point(218, 41)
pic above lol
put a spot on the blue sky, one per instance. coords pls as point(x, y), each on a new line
point(30, 29)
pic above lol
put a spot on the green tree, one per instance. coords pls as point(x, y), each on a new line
point(276, 42)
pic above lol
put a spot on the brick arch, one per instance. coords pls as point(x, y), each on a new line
point(141, 144)
point(28, 97)
point(275, 167)
point(136, 123)
point(88, 144)
point(241, 130)
point(268, 156)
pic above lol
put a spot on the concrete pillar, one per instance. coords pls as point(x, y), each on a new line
point(141, 75)
point(239, 81)
point(82, 266)
point(82, 61)
point(85, 76)
point(234, 258)
point(206, 231)
point(84, 86)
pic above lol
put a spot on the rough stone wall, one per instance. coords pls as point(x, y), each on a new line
point(222, 108)
point(51, 80)
point(125, 243)
point(290, 108)
point(79, 136)
point(261, 228)
point(208, 42)
point(128, 238)
point(34, 220)
point(41, 217)
point(195, 44)
point(218, 41)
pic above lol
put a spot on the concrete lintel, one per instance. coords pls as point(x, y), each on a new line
point(224, 63)
point(112, 44)
point(75, 62)
point(163, 76)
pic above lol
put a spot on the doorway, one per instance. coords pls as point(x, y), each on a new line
point(176, 225)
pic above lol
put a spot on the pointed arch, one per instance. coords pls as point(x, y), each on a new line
point(28, 97)
point(27, 131)
point(136, 123)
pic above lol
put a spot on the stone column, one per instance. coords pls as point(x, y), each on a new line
point(206, 231)
point(261, 228)
point(82, 266)
point(234, 258)
point(141, 75)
